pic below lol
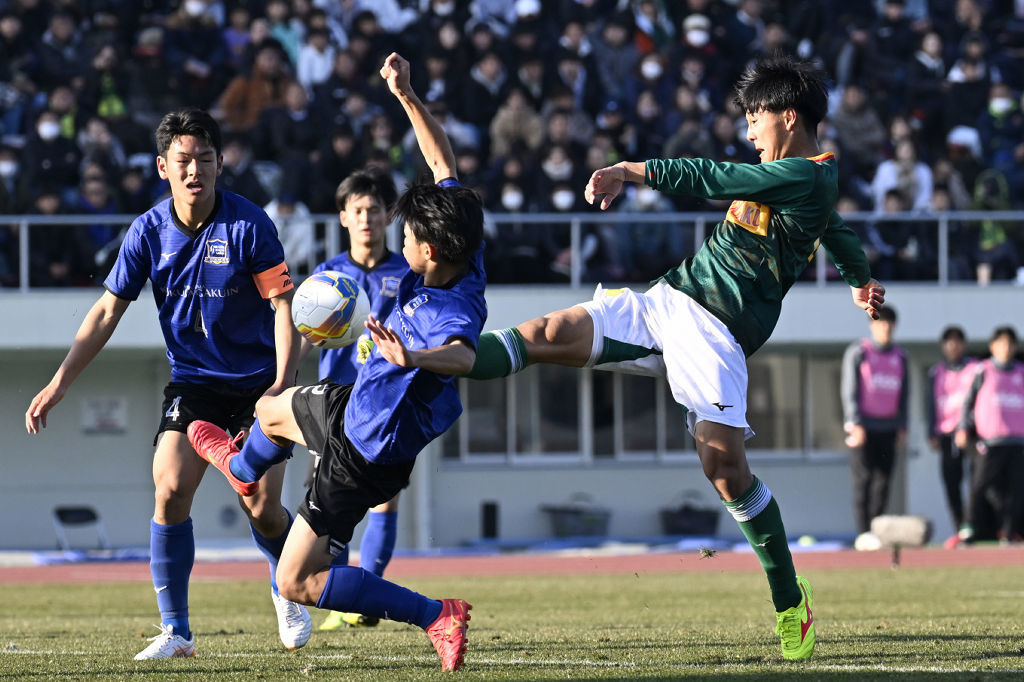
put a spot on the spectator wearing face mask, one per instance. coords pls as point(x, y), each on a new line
point(1001, 128)
point(557, 167)
point(651, 75)
point(646, 250)
point(517, 252)
point(50, 157)
point(596, 244)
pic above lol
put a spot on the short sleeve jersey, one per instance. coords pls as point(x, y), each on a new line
point(210, 287)
point(780, 212)
point(380, 283)
point(393, 411)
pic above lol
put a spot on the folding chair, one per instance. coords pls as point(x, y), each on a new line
point(78, 516)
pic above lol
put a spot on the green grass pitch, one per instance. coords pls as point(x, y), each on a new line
point(919, 624)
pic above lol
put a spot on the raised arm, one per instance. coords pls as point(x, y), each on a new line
point(433, 141)
point(93, 334)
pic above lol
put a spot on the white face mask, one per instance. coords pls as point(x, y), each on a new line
point(563, 199)
point(1000, 105)
point(8, 168)
point(48, 130)
point(557, 170)
point(650, 69)
point(443, 9)
point(646, 197)
point(698, 37)
point(194, 8)
point(512, 199)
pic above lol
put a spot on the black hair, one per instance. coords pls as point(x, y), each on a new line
point(778, 83)
point(451, 219)
point(372, 182)
point(887, 314)
point(1005, 330)
point(189, 121)
point(953, 332)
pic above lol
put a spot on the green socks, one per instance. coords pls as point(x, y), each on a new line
point(498, 354)
point(759, 518)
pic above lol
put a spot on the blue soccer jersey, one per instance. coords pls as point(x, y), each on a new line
point(380, 283)
point(393, 411)
point(211, 289)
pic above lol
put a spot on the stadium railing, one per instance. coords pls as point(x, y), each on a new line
point(576, 222)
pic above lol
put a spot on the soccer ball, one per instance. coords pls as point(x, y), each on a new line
point(329, 309)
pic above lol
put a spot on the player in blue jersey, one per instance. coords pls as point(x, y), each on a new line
point(365, 199)
point(366, 436)
point(223, 295)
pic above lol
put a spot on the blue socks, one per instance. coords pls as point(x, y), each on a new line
point(378, 542)
point(271, 548)
point(172, 551)
point(258, 454)
point(356, 590)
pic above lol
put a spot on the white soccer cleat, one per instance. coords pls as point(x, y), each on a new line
point(168, 645)
point(293, 622)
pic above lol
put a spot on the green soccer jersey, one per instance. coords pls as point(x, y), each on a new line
point(780, 212)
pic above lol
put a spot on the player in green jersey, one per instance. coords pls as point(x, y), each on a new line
point(697, 323)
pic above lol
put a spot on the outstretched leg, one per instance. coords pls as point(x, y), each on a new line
point(564, 337)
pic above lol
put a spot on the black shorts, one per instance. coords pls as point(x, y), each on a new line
point(345, 485)
point(230, 408)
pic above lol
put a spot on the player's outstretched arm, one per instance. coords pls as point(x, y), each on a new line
point(870, 297)
point(93, 334)
point(286, 343)
point(606, 183)
point(433, 141)
point(452, 358)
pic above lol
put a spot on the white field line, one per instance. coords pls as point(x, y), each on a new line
point(540, 662)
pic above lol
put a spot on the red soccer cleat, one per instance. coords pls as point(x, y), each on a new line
point(449, 633)
point(213, 444)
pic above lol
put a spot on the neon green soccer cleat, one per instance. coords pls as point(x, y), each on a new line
point(796, 626)
point(339, 619)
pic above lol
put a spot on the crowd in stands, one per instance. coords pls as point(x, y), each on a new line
point(926, 114)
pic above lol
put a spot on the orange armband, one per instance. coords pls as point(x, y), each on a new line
point(274, 282)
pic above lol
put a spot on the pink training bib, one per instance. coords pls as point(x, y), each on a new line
point(999, 408)
point(881, 380)
point(949, 387)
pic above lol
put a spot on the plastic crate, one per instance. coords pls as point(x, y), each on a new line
point(691, 517)
point(578, 516)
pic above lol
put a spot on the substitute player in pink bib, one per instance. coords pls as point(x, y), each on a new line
point(947, 385)
point(994, 410)
point(874, 392)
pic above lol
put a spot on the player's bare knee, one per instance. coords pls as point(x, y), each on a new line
point(171, 503)
point(294, 588)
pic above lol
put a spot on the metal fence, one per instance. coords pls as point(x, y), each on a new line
point(576, 222)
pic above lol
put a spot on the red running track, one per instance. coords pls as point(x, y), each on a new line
point(534, 564)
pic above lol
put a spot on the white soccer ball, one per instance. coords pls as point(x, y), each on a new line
point(329, 309)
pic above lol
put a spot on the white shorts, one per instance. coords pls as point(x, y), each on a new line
point(663, 332)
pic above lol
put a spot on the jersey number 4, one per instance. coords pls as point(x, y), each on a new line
point(173, 412)
point(200, 325)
